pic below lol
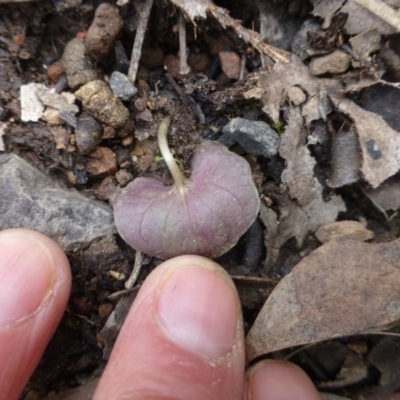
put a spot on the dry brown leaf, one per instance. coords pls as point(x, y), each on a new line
point(386, 196)
point(305, 211)
point(277, 82)
point(364, 15)
point(340, 289)
point(326, 9)
point(379, 143)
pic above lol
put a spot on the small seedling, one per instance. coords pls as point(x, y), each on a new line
point(205, 214)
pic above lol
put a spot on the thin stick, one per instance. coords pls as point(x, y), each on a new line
point(144, 13)
point(183, 67)
point(136, 270)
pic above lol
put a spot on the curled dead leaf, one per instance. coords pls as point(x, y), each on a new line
point(340, 289)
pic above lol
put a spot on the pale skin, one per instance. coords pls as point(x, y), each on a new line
point(183, 338)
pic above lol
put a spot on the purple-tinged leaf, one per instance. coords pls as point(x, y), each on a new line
point(207, 217)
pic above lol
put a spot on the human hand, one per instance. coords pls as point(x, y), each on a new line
point(183, 337)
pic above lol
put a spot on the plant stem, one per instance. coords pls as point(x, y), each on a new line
point(167, 155)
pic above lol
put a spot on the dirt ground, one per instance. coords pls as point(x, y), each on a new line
point(321, 85)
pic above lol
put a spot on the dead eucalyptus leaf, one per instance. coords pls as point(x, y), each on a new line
point(216, 206)
point(379, 143)
point(306, 210)
point(326, 9)
point(340, 289)
point(386, 196)
point(364, 15)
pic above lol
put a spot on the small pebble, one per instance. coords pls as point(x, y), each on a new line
point(351, 230)
point(255, 137)
point(123, 177)
point(333, 63)
point(107, 189)
point(105, 310)
point(198, 62)
point(103, 32)
point(230, 64)
point(99, 100)
point(122, 86)
point(79, 67)
point(52, 116)
point(172, 65)
point(88, 133)
point(55, 71)
point(108, 132)
point(102, 161)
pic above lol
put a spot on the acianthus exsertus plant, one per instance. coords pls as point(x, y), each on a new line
point(205, 214)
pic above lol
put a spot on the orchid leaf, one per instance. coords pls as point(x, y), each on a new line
point(203, 215)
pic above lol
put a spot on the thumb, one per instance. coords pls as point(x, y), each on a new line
point(182, 339)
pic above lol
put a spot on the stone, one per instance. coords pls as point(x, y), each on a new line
point(79, 66)
point(52, 116)
point(99, 100)
point(102, 162)
point(198, 62)
point(30, 199)
point(103, 31)
point(333, 63)
point(123, 177)
point(255, 137)
point(55, 71)
point(230, 64)
point(31, 106)
point(88, 133)
point(351, 230)
point(107, 189)
point(121, 86)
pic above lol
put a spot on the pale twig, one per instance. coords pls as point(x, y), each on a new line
point(144, 10)
point(136, 270)
point(183, 67)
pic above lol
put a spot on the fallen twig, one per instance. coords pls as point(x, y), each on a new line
point(144, 10)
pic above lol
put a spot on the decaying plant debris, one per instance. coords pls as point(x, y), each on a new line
point(307, 92)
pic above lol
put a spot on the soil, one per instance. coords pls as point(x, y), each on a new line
point(33, 37)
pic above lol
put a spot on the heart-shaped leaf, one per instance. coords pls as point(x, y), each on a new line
point(206, 215)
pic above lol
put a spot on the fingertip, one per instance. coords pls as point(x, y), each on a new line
point(280, 380)
point(183, 337)
point(35, 281)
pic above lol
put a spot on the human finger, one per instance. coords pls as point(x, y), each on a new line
point(35, 282)
point(182, 339)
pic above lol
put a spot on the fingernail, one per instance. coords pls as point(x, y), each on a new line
point(199, 310)
point(26, 276)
